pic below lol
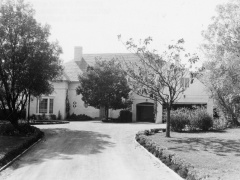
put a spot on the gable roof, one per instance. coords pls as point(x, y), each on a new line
point(72, 69)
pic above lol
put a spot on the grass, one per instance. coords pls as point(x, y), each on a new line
point(13, 142)
point(215, 155)
point(9, 143)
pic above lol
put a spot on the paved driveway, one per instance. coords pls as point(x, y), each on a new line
point(89, 151)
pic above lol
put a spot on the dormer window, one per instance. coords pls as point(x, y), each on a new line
point(185, 82)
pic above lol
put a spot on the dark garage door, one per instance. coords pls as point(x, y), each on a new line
point(145, 112)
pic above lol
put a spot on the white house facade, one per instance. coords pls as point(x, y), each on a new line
point(142, 108)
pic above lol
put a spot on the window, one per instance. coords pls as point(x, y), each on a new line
point(51, 106)
point(45, 106)
point(185, 82)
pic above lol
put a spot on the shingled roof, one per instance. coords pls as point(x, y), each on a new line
point(73, 69)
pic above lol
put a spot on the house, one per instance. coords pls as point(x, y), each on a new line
point(142, 108)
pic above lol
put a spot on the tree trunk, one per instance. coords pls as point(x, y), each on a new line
point(14, 119)
point(29, 97)
point(106, 112)
point(235, 120)
point(168, 122)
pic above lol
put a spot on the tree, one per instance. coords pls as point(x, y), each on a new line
point(104, 85)
point(158, 76)
point(222, 51)
point(28, 62)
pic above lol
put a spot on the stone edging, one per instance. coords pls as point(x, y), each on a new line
point(170, 159)
point(14, 154)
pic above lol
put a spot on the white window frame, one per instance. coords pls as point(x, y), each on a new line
point(184, 84)
point(48, 105)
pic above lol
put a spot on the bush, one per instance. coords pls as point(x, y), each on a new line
point(33, 117)
point(23, 130)
point(52, 117)
point(193, 120)
point(179, 119)
point(220, 123)
point(125, 116)
point(200, 120)
point(80, 117)
point(59, 117)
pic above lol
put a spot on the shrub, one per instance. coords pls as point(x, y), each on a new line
point(125, 116)
point(23, 130)
point(43, 116)
point(200, 120)
point(179, 119)
point(53, 117)
point(187, 119)
point(33, 117)
point(220, 123)
point(59, 117)
point(80, 117)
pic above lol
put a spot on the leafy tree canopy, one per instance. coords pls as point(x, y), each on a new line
point(28, 61)
point(104, 85)
point(222, 50)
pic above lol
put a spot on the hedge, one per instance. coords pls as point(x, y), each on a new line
point(173, 161)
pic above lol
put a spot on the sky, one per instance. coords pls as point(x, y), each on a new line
point(95, 24)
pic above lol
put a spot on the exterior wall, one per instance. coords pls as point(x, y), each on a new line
point(76, 103)
point(59, 96)
point(195, 94)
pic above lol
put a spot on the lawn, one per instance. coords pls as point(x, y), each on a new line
point(215, 155)
point(13, 142)
point(8, 143)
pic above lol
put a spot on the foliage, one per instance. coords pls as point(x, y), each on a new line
point(222, 49)
point(13, 153)
point(52, 117)
point(33, 117)
point(23, 130)
point(67, 105)
point(28, 62)
point(220, 123)
point(180, 118)
point(184, 119)
point(172, 160)
point(125, 116)
point(80, 117)
point(59, 117)
point(158, 76)
point(104, 85)
point(200, 120)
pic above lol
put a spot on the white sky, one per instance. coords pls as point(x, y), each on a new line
point(95, 24)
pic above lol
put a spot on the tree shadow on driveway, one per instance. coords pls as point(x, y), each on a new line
point(64, 144)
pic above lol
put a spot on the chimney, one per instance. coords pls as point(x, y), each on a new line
point(77, 53)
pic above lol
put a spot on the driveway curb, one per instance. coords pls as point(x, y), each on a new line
point(154, 157)
point(18, 156)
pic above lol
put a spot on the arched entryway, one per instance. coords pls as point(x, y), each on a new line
point(145, 112)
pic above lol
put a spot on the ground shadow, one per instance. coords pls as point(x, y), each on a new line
point(130, 123)
point(220, 147)
point(63, 144)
